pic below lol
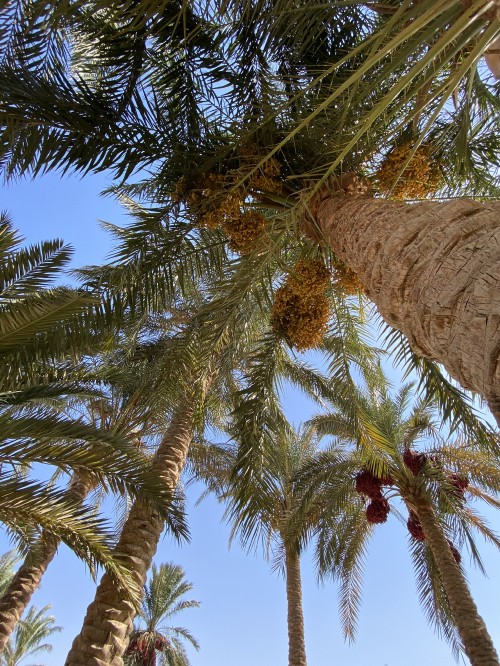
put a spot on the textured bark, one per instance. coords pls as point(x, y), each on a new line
point(433, 270)
point(296, 637)
point(475, 638)
point(27, 578)
point(108, 622)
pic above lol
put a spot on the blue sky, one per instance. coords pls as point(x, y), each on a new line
point(242, 620)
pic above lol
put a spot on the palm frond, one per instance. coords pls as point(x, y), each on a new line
point(8, 562)
point(36, 626)
point(433, 597)
point(72, 445)
point(31, 269)
point(454, 405)
point(27, 507)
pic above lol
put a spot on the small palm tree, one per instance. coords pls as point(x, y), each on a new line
point(44, 333)
point(382, 470)
point(27, 638)
point(123, 411)
point(267, 511)
point(162, 600)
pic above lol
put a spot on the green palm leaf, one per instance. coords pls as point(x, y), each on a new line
point(35, 627)
point(25, 505)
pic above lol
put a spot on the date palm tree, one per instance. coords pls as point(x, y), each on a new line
point(44, 334)
point(247, 367)
point(254, 473)
point(379, 434)
point(36, 626)
point(124, 411)
point(323, 89)
point(268, 517)
point(162, 601)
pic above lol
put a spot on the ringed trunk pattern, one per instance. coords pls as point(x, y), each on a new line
point(433, 270)
point(108, 621)
point(475, 637)
point(27, 578)
point(296, 637)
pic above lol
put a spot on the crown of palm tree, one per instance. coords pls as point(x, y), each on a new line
point(131, 89)
point(321, 89)
point(36, 626)
point(401, 447)
point(161, 602)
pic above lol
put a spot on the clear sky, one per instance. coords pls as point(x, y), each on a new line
point(242, 619)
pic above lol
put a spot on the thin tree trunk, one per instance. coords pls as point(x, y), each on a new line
point(296, 637)
point(108, 623)
point(433, 270)
point(25, 582)
point(475, 637)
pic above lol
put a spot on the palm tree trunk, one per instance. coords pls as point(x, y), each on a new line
point(296, 637)
point(433, 270)
point(475, 637)
point(25, 582)
point(108, 623)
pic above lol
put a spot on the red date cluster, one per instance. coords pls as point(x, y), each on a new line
point(370, 485)
point(414, 460)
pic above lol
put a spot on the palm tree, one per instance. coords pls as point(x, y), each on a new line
point(324, 89)
point(124, 411)
point(162, 600)
point(268, 515)
point(37, 626)
point(247, 366)
point(44, 334)
point(431, 485)
point(144, 524)
point(256, 475)
point(138, 541)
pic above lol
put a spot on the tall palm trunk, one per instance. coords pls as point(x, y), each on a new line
point(108, 622)
point(433, 270)
point(25, 582)
point(296, 638)
point(475, 638)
